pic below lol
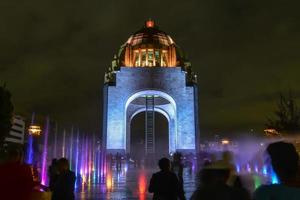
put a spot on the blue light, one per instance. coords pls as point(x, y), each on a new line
point(264, 170)
point(29, 156)
point(126, 168)
point(274, 177)
point(238, 168)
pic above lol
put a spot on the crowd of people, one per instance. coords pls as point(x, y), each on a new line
point(217, 179)
point(20, 181)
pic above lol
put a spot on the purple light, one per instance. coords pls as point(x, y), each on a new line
point(248, 168)
point(256, 169)
point(45, 149)
point(55, 142)
point(77, 153)
point(83, 153)
point(29, 156)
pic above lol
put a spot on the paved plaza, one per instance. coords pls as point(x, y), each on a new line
point(131, 184)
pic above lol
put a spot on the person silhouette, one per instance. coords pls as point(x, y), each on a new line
point(284, 160)
point(53, 173)
point(65, 183)
point(165, 184)
point(213, 185)
point(16, 177)
point(177, 166)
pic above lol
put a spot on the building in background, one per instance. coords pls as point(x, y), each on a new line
point(17, 132)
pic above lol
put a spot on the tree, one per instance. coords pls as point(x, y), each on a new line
point(6, 112)
point(287, 115)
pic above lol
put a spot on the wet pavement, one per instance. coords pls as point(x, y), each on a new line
point(129, 184)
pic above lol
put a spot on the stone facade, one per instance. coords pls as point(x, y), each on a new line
point(167, 84)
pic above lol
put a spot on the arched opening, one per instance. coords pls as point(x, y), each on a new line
point(162, 103)
point(137, 136)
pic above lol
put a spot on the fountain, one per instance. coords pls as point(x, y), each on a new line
point(45, 153)
point(29, 153)
point(94, 168)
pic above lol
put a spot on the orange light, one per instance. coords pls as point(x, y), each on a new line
point(34, 130)
point(142, 182)
point(271, 132)
point(109, 181)
point(224, 142)
point(150, 23)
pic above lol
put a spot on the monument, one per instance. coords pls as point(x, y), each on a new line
point(150, 74)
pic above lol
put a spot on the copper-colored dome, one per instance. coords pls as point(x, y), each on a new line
point(150, 47)
point(150, 36)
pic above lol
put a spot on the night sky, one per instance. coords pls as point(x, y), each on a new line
point(53, 55)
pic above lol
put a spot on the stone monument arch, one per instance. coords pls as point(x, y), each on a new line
point(150, 74)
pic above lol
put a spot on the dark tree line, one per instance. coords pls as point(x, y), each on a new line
point(287, 115)
point(6, 112)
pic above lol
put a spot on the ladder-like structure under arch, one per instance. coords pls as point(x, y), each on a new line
point(149, 126)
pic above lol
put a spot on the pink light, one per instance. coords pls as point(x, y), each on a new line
point(44, 158)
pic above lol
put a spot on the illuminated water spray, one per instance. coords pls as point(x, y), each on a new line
point(64, 145)
point(29, 155)
point(71, 149)
point(85, 156)
point(274, 178)
point(109, 181)
point(77, 153)
point(45, 151)
point(238, 168)
point(248, 168)
point(29, 158)
point(55, 142)
point(265, 170)
point(142, 185)
point(256, 168)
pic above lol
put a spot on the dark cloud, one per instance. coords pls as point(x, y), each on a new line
point(53, 54)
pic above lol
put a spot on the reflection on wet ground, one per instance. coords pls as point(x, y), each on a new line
point(131, 184)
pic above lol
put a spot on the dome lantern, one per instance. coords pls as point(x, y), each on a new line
point(150, 23)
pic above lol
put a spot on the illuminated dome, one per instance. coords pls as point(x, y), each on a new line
point(150, 47)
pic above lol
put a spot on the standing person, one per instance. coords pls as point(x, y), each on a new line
point(65, 183)
point(227, 160)
point(53, 173)
point(165, 184)
point(16, 178)
point(285, 163)
point(213, 184)
point(177, 167)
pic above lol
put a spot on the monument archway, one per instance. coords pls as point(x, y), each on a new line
point(137, 136)
point(162, 103)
